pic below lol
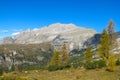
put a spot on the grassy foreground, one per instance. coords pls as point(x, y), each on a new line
point(70, 74)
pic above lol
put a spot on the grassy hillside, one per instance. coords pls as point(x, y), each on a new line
point(69, 74)
point(25, 55)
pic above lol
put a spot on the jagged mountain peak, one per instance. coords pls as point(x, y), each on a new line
point(60, 25)
point(57, 28)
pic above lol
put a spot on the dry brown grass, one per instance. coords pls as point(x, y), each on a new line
point(74, 74)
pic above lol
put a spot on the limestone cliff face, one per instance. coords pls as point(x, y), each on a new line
point(71, 33)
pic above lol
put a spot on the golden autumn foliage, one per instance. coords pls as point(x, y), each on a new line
point(64, 55)
point(88, 54)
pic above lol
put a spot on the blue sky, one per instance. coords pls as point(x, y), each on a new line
point(18, 15)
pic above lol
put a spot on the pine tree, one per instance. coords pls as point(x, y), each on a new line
point(55, 60)
point(88, 54)
point(111, 26)
point(64, 55)
point(111, 62)
point(107, 46)
point(104, 46)
point(113, 37)
point(113, 46)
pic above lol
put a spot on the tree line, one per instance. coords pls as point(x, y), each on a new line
point(105, 52)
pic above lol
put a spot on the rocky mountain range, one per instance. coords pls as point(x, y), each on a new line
point(70, 33)
point(75, 37)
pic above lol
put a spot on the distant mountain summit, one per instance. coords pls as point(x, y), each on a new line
point(73, 34)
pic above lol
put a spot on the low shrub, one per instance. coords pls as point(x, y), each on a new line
point(31, 67)
point(77, 64)
point(95, 64)
point(76, 61)
point(118, 62)
point(100, 63)
point(55, 67)
point(1, 72)
point(90, 65)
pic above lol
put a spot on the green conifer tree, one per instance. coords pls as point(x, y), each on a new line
point(104, 46)
point(55, 60)
point(88, 54)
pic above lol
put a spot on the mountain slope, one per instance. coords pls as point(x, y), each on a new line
point(69, 32)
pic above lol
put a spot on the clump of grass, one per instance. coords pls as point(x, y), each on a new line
point(78, 77)
point(11, 77)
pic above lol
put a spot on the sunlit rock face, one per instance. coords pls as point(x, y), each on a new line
point(57, 33)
